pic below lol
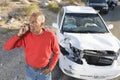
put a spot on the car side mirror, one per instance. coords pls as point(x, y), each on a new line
point(55, 25)
point(110, 26)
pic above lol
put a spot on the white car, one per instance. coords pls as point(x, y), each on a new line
point(88, 49)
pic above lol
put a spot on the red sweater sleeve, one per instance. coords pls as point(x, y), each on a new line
point(56, 51)
point(13, 42)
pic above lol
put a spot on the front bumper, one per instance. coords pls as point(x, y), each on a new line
point(88, 72)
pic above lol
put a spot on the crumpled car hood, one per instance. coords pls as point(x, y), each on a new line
point(94, 41)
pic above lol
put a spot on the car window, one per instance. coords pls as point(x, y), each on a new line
point(83, 23)
point(70, 22)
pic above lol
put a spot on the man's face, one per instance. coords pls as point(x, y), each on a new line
point(36, 24)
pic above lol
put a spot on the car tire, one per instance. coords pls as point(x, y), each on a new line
point(106, 12)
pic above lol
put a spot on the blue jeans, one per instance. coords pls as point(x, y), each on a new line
point(31, 74)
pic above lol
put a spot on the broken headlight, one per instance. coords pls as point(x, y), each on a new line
point(76, 55)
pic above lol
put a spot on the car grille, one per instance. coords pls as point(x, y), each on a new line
point(97, 8)
point(100, 59)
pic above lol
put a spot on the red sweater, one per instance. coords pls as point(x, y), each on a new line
point(37, 48)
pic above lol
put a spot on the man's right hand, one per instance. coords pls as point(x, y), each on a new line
point(23, 30)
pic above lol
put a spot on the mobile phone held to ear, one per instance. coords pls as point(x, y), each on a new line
point(27, 27)
point(24, 28)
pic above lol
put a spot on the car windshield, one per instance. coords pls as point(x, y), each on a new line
point(97, 1)
point(83, 23)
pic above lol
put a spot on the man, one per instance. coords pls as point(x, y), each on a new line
point(38, 44)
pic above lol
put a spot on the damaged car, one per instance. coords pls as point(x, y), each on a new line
point(88, 49)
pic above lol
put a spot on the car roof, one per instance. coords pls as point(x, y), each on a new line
point(79, 9)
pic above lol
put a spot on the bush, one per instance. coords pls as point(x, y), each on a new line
point(29, 9)
point(23, 12)
point(53, 6)
point(77, 2)
point(72, 1)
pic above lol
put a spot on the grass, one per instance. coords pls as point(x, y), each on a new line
point(53, 6)
point(29, 9)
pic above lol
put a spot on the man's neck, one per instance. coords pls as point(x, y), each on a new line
point(39, 32)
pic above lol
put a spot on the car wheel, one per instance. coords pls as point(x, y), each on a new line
point(106, 12)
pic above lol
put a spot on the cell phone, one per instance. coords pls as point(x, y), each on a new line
point(27, 26)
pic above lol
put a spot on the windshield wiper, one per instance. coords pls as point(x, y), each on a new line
point(84, 31)
point(91, 31)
